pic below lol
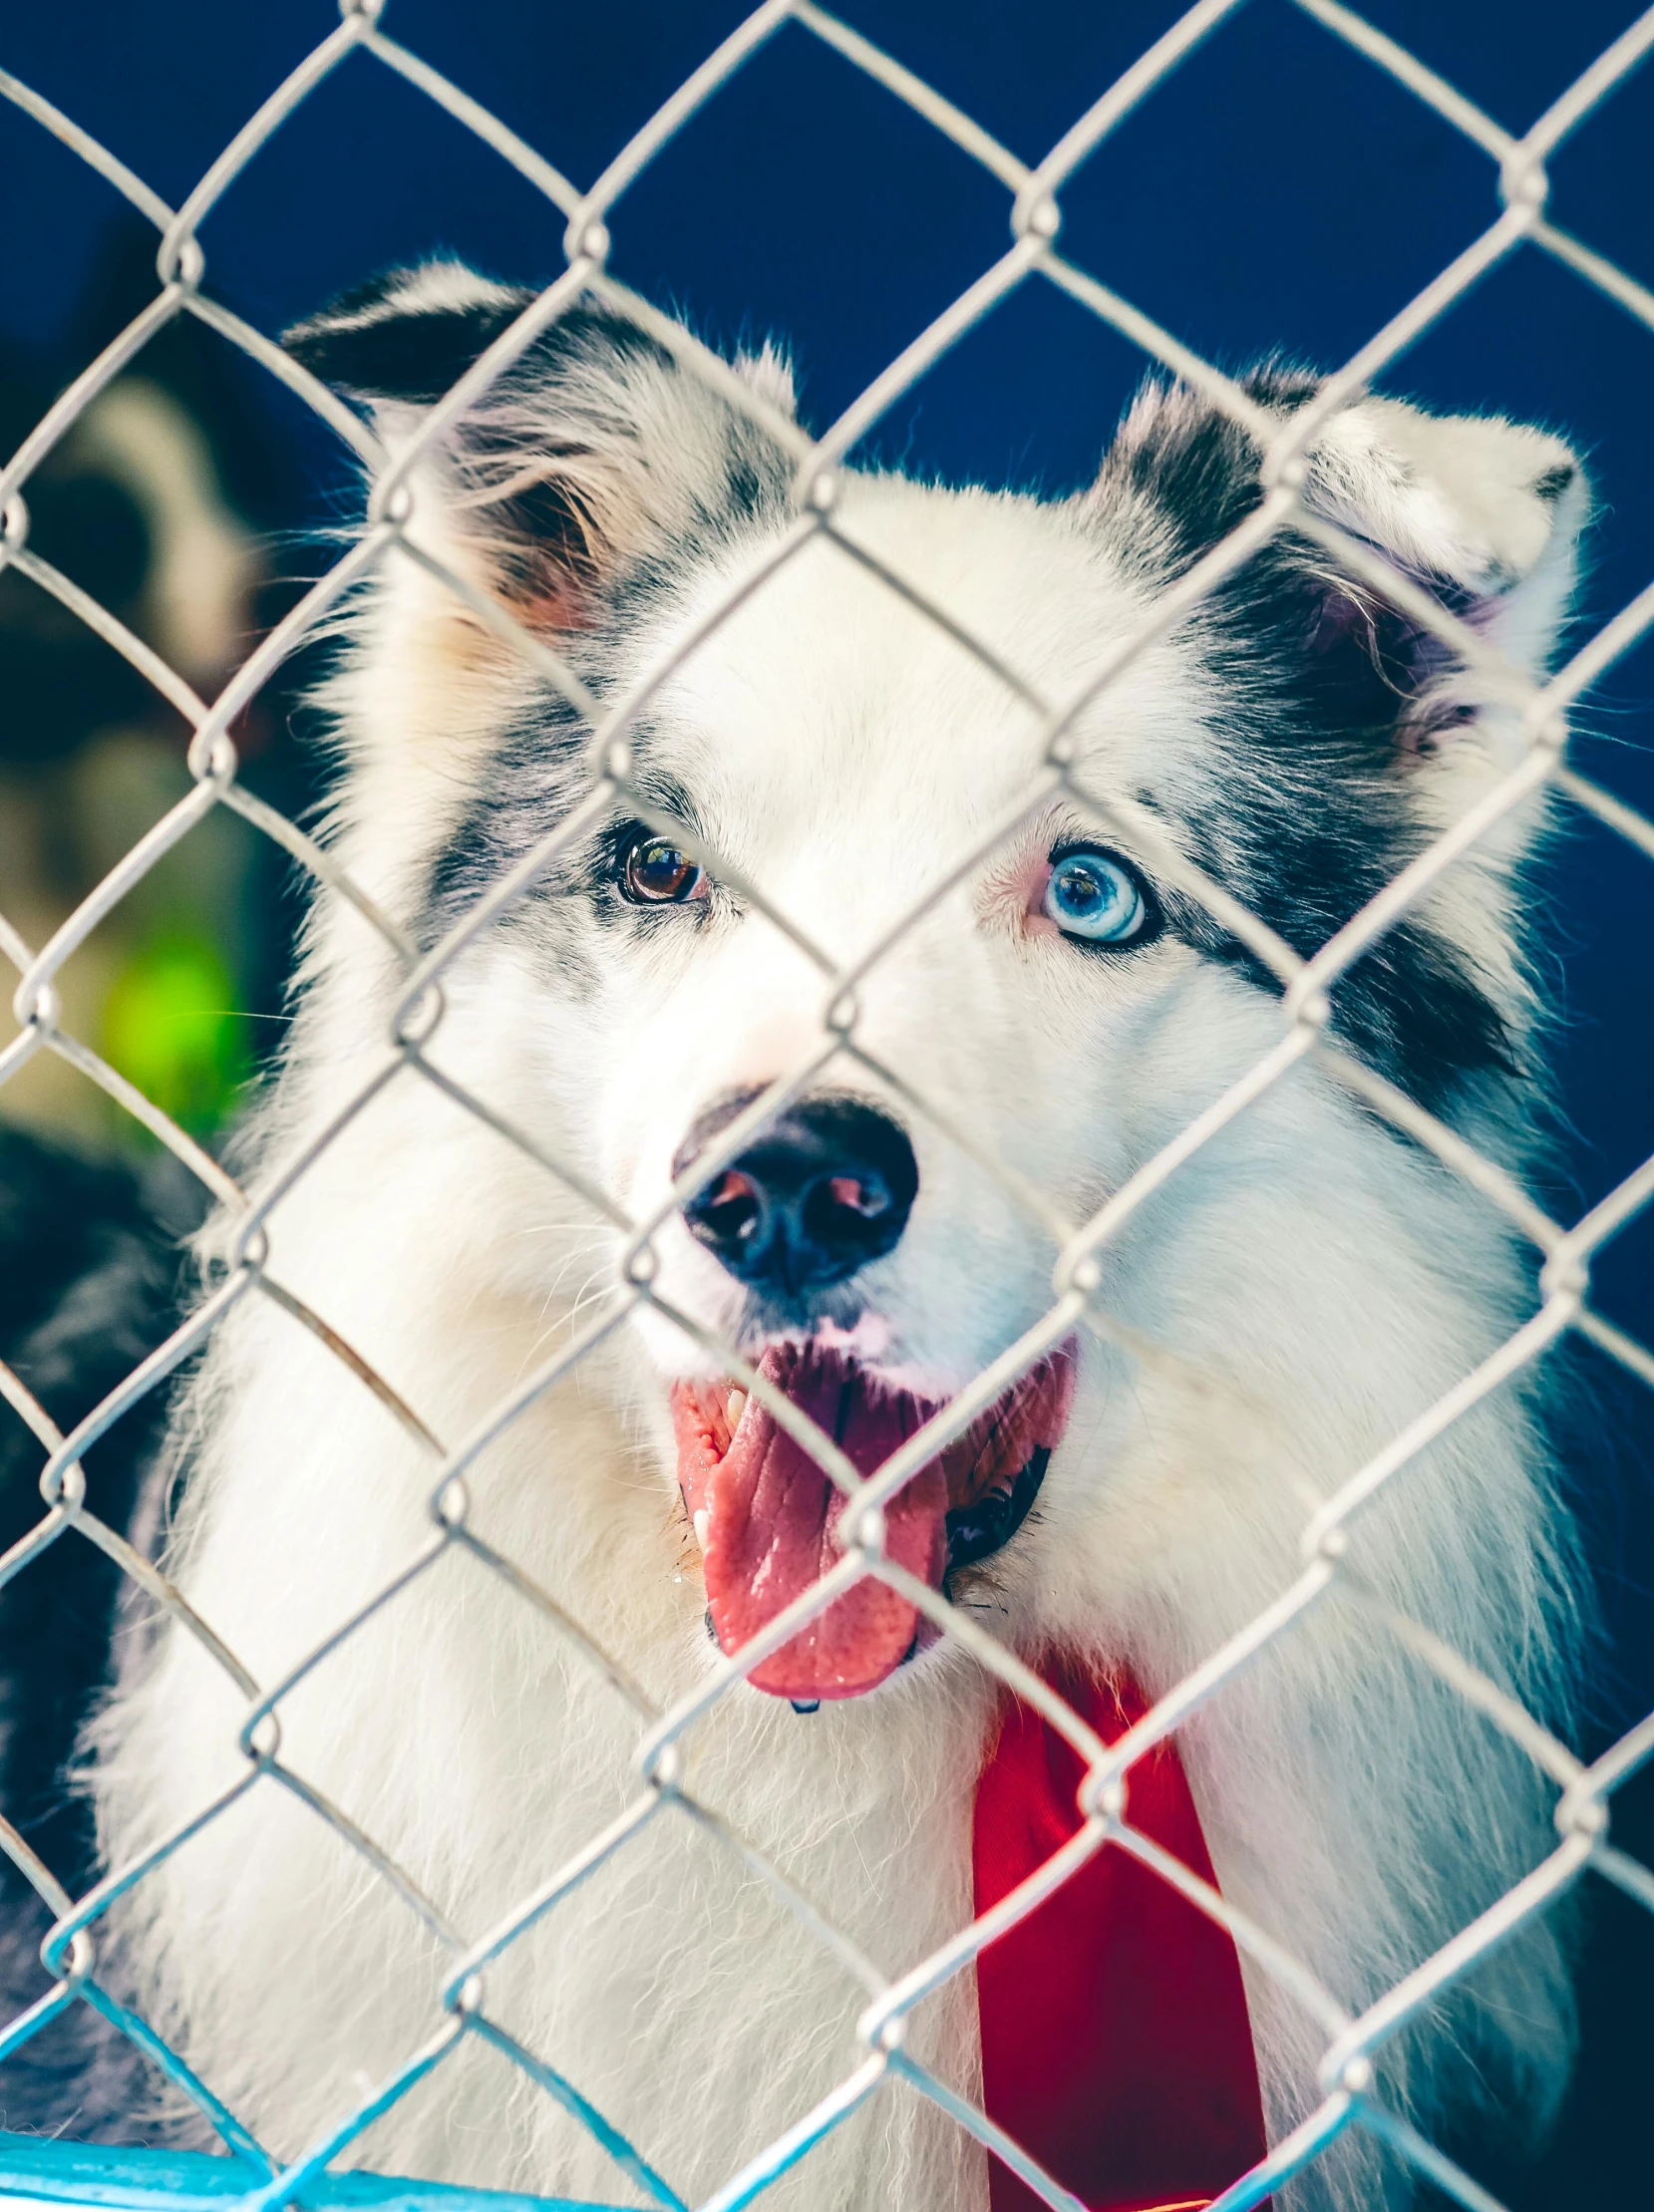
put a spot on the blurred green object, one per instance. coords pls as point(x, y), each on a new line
point(171, 1026)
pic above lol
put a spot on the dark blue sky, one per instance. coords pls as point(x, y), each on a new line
point(1277, 194)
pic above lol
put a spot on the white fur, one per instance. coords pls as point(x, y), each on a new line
point(1311, 1283)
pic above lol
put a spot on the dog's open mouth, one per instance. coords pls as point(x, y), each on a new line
point(766, 1517)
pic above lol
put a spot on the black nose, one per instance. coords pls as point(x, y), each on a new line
point(827, 1188)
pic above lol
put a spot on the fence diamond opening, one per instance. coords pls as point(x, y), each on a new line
point(662, 1793)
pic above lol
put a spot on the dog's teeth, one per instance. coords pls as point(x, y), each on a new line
point(703, 1521)
point(736, 1407)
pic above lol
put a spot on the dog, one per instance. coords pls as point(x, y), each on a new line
point(827, 766)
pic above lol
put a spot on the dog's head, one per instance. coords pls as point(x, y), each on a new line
point(824, 778)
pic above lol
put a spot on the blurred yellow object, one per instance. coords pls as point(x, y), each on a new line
point(171, 1026)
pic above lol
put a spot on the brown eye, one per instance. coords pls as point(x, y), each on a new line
point(657, 873)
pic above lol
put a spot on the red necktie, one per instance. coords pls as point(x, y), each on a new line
point(1116, 2047)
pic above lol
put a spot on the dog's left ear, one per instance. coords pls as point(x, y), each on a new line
point(1485, 514)
point(1486, 511)
point(587, 460)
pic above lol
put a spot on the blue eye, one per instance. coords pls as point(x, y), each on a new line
point(1097, 898)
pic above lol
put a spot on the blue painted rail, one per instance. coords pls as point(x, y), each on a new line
point(35, 2170)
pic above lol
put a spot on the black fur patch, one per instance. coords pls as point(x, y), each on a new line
point(1306, 813)
point(1554, 482)
point(366, 345)
point(536, 775)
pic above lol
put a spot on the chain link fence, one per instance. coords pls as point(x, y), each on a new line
point(662, 1791)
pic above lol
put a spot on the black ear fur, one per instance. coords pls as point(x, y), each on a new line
point(406, 336)
point(389, 340)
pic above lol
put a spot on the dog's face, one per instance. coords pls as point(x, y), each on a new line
point(845, 863)
point(830, 752)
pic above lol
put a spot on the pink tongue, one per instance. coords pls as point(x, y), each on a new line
point(771, 1532)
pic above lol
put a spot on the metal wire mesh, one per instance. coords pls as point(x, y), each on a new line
point(1346, 2074)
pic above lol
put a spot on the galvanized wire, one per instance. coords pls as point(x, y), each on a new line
point(1519, 223)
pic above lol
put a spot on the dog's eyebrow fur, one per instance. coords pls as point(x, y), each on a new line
point(534, 780)
point(536, 773)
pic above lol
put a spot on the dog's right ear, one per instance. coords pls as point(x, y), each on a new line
point(595, 455)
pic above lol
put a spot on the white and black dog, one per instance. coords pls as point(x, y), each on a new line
point(1309, 1284)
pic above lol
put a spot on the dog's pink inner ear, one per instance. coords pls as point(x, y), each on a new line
point(559, 608)
point(546, 585)
point(542, 543)
point(1340, 616)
